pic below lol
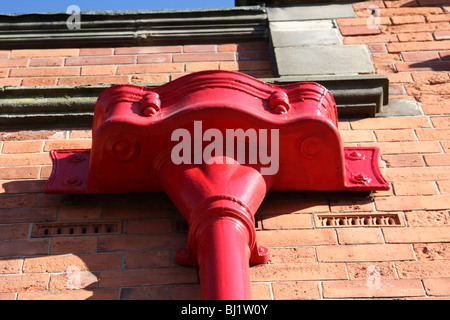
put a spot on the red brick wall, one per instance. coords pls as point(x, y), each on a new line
point(308, 261)
point(50, 67)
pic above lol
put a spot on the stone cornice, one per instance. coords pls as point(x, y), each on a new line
point(134, 28)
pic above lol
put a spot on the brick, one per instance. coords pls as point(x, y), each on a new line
point(82, 61)
point(146, 260)
point(46, 62)
point(440, 121)
point(432, 2)
point(298, 290)
point(253, 55)
point(424, 66)
point(9, 266)
point(155, 58)
point(434, 109)
point(98, 70)
point(5, 53)
point(73, 245)
point(19, 173)
point(21, 215)
point(287, 221)
point(147, 293)
point(444, 186)
point(363, 270)
point(369, 252)
point(24, 159)
point(427, 218)
point(442, 35)
point(80, 134)
point(418, 46)
point(11, 232)
point(359, 236)
point(445, 55)
point(153, 78)
point(151, 68)
point(415, 36)
point(407, 19)
point(274, 205)
point(386, 38)
point(403, 160)
point(217, 56)
point(424, 27)
point(200, 66)
point(10, 82)
point(408, 147)
point(358, 30)
point(415, 188)
point(23, 282)
point(423, 269)
point(22, 146)
point(79, 212)
point(390, 123)
point(61, 263)
point(356, 136)
point(245, 65)
point(13, 63)
point(292, 238)
point(437, 18)
point(396, 89)
point(68, 144)
point(437, 287)
point(417, 234)
point(292, 255)
point(30, 82)
point(150, 49)
point(400, 3)
point(432, 251)
point(17, 201)
point(385, 57)
point(400, 78)
point(23, 247)
point(430, 78)
point(139, 277)
point(377, 47)
point(416, 174)
point(188, 292)
point(65, 281)
point(96, 51)
point(29, 53)
point(347, 22)
point(4, 72)
point(149, 226)
point(366, 289)
point(97, 294)
point(140, 243)
point(31, 135)
point(45, 72)
point(351, 205)
point(89, 80)
point(438, 202)
point(298, 272)
point(394, 135)
point(437, 159)
point(200, 48)
point(433, 134)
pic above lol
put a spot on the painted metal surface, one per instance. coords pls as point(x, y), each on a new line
point(292, 130)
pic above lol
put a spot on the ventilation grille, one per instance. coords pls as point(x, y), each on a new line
point(358, 220)
point(64, 229)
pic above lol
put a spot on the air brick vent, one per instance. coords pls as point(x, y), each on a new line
point(358, 220)
point(64, 229)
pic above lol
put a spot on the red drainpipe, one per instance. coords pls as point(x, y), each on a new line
point(132, 152)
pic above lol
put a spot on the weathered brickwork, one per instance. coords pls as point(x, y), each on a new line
point(406, 261)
